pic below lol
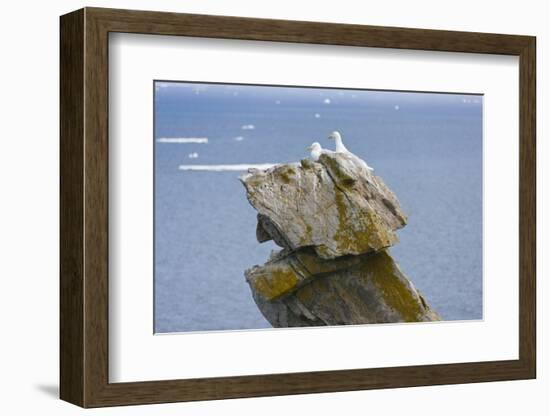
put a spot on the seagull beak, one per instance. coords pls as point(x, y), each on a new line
point(309, 148)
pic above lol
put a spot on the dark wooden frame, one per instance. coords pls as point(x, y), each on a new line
point(84, 207)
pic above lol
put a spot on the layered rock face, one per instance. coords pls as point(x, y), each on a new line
point(334, 220)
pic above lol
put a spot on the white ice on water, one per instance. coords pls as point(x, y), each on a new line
point(223, 168)
point(202, 140)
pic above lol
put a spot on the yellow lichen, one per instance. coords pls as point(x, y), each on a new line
point(359, 234)
point(395, 290)
point(286, 173)
point(306, 238)
point(274, 282)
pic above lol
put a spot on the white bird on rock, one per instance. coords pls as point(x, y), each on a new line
point(340, 148)
point(316, 151)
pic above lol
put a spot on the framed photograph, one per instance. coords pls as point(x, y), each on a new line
point(255, 207)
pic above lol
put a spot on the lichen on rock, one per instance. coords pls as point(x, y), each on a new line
point(335, 221)
point(364, 289)
point(331, 206)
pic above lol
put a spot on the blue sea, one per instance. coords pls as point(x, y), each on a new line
point(427, 147)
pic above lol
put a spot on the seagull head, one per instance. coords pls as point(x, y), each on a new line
point(314, 146)
point(335, 135)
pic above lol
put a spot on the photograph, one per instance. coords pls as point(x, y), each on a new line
point(281, 206)
point(256, 203)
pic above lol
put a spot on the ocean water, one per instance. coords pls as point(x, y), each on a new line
point(426, 147)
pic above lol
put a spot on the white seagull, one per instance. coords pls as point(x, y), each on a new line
point(340, 148)
point(316, 151)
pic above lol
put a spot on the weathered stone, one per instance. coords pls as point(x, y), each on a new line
point(286, 271)
point(334, 206)
point(358, 290)
point(335, 220)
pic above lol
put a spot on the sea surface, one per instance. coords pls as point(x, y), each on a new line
point(427, 148)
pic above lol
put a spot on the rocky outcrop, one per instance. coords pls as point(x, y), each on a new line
point(300, 289)
point(334, 206)
point(334, 221)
